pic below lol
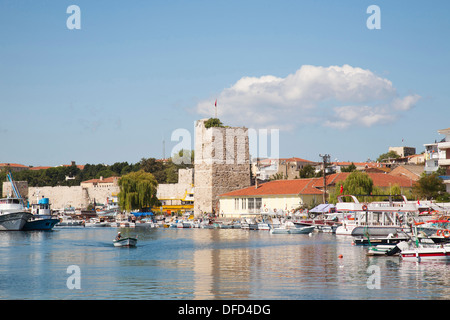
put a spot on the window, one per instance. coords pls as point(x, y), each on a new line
point(258, 203)
point(251, 203)
point(244, 203)
point(236, 204)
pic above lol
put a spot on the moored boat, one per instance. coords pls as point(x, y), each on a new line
point(13, 215)
point(430, 252)
point(374, 219)
point(42, 218)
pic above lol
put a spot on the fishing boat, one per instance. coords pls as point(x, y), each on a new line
point(125, 242)
point(13, 214)
point(42, 218)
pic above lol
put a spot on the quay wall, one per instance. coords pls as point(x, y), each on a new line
point(61, 197)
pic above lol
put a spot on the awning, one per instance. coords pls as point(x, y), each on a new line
point(323, 208)
point(142, 214)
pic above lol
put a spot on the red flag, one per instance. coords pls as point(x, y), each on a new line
point(342, 188)
point(215, 103)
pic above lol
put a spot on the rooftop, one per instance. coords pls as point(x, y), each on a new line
point(313, 185)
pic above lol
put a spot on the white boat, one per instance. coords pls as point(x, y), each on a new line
point(302, 230)
point(263, 226)
point(380, 250)
point(95, 222)
point(12, 214)
point(374, 218)
point(185, 224)
point(69, 221)
point(125, 242)
point(412, 252)
point(292, 230)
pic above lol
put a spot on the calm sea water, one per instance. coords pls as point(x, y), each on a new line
point(206, 264)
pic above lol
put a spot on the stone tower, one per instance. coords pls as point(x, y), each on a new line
point(222, 164)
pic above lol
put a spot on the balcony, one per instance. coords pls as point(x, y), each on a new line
point(444, 145)
point(444, 162)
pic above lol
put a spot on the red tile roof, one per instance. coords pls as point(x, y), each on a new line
point(13, 165)
point(313, 185)
point(40, 168)
point(277, 187)
point(379, 179)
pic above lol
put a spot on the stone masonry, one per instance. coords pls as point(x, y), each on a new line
point(222, 164)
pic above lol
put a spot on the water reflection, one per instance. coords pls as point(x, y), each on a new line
point(206, 264)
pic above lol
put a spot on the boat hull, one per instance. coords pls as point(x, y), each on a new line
point(375, 231)
point(426, 254)
point(14, 221)
point(297, 230)
point(40, 224)
point(125, 242)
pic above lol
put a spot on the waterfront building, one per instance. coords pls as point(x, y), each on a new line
point(444, 146)
point(273, 197)
point(284, 196)
point(13, 167)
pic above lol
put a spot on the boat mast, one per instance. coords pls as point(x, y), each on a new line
point(14, 187)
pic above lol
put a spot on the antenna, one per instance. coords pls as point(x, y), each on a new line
point(164, 148)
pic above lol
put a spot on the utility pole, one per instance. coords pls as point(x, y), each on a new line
point(325, 160)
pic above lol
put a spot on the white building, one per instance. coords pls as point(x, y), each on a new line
point(444, 146)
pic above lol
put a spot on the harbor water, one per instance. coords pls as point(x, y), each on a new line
point(206, 264)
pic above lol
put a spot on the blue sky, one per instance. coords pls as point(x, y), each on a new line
point(138, 70)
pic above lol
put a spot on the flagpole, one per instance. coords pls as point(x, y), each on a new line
point(215, 109)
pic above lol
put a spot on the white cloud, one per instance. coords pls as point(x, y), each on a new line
point(331, 96)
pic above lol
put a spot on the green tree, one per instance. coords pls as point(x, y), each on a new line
point(388, 155)
point(213, 122)
point(349, 168)
point(307, 171)
point(137, 191)
point(357, 183)
point(429, 187)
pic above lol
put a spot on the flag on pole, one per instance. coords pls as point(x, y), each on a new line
point(215, 109)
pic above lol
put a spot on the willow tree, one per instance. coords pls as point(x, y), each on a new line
point(137, 190)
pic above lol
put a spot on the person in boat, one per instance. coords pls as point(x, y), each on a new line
point(119, 236)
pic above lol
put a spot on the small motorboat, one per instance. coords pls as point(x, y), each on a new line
point(125, 242)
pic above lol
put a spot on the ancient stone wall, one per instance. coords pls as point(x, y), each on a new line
point(222, 164)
